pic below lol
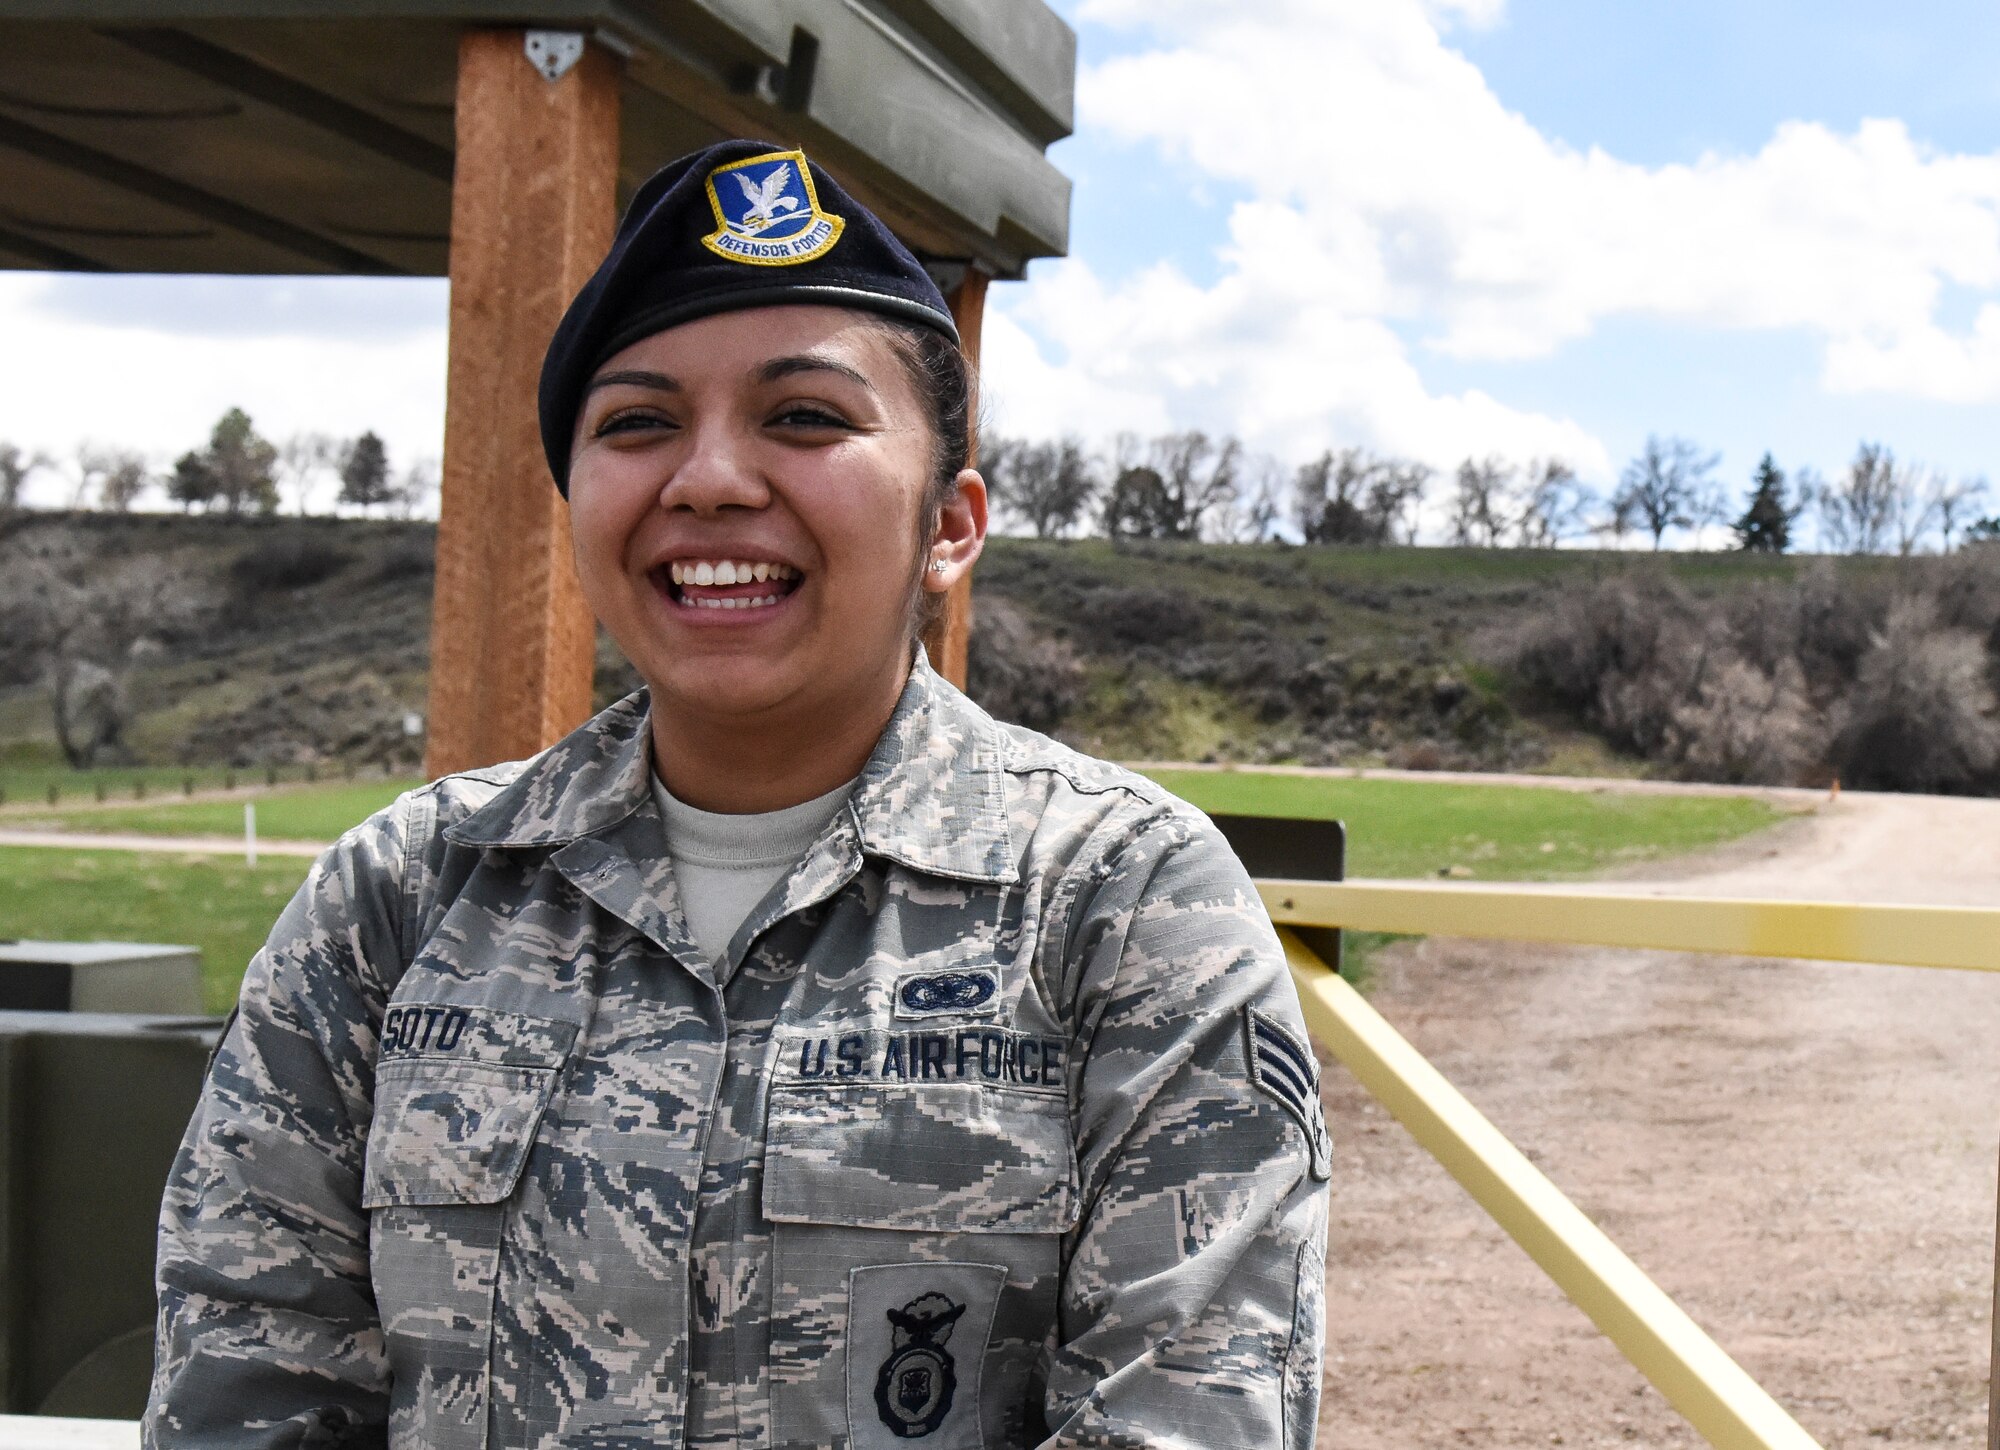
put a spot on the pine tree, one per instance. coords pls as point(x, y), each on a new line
point(243, 463)
point(364, 473)
point(192, 482)
point(1766, 525)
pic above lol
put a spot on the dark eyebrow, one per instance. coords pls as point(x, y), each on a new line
point(659, 382)
point(810, 362)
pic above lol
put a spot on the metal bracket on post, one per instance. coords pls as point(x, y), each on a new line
point(554, 52)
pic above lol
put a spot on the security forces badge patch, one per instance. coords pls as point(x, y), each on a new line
point(917, 1339)
point(914, 1387)
point(766, 212)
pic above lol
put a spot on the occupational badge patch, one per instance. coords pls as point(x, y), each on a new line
point(918, 1335)
point(927, 993)
point(1286, 1069)
point(913, 1389)
point(766, 212)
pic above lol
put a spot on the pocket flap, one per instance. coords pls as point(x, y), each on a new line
point(937, 1158)
point(449, 1131)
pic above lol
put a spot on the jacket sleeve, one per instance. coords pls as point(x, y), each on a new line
point(1193, 1295)
point(267, 1334)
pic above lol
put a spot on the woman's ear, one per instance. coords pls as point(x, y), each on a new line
point(960, 533)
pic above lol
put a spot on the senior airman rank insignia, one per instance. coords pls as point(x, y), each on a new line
point(1285, 1068)
point(913, 1389)
point(766, 212)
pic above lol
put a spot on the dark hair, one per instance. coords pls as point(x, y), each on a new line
point(941, 377)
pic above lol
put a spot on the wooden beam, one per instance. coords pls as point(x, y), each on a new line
point(948, 640)
point(532, 213)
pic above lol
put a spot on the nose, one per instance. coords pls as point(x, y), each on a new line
point(717, 469)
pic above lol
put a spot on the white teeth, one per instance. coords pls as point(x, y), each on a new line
point(726, 572)
point(762, 601)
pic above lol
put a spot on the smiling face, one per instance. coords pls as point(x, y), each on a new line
point(746, 494)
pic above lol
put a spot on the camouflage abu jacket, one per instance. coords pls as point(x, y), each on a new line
point(997, 1127)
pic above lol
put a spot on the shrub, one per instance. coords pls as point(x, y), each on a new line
point(1920, 716)
point(1018, 673)
point(285, 564)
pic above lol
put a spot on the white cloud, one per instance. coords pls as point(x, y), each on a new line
point(1388, 193)
point(159, 390)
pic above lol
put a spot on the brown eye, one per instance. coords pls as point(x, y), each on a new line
point(810, 415)
point(629, 421)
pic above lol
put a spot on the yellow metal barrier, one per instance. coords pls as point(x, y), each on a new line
point(1916, 936)
point(1708, 1387)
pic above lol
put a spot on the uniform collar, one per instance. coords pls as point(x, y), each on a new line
point(933, 795)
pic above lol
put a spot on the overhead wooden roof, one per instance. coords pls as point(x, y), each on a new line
point(290, 136)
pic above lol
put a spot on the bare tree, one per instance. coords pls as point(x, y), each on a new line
point(1048, 485)
point(1356, 497)
point(415, 489)
point(1857, 512)
point(1479, 503)
point(1329, 497)
point(15, 467)
point(88, 465)
point(1662, 486)
point(1185, 481)
point(302, 458)
point(1554, 504)
point(125, 477)
point(1956, 503)
point(1395, 495)
point(83, 625)
point(1913, 493)
point(1252, 516)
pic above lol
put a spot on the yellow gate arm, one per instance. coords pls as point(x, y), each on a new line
point(1838, 931)
point(1705, 1385)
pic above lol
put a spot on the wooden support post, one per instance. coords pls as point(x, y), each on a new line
point(947, 641)
point(533, 208)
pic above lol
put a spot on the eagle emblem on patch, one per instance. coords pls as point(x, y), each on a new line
point(913, 1389)
point(766, 212)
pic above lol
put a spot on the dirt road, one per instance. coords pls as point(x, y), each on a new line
point(1802, 1154)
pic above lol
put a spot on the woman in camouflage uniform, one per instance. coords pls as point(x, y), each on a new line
point(793, 1056)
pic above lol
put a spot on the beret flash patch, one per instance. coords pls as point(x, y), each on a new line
point(766, 212)
point(1286, 1069)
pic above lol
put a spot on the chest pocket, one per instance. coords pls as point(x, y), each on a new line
point(459, 1096)
point(953, 1158)
point(916, 1234)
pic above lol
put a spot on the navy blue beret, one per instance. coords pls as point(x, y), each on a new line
point(741, 224)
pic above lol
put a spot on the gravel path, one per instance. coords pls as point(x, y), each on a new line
point(1802, 1154)
point(178, 845)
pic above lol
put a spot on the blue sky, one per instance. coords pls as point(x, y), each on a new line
point(1729, 223)
point(1429, 227)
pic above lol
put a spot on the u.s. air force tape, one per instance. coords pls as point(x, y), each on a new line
point(995, 1055)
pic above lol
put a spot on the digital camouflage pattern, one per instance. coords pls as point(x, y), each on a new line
point(960, 1148)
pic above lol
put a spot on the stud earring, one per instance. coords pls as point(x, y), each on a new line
point(939, 566)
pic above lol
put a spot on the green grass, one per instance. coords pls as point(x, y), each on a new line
point(213, 903)
point(1395, 828)
point(1400, 828)
point(303, 813)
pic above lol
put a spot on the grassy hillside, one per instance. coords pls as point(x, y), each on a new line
point(305, 641)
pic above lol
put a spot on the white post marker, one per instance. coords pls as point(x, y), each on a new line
point(250, 834)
